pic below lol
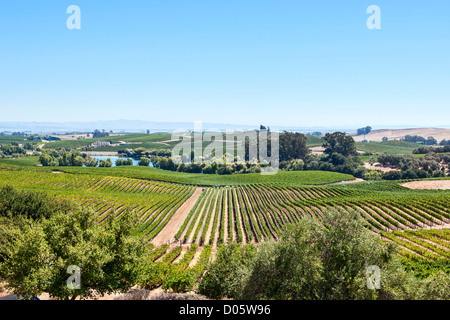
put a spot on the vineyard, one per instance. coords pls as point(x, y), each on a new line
point(247, 213)
point(155, 202)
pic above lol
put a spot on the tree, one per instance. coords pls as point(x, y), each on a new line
point(30, 205)
point(431, 141)
point(144, 162)
point(105, 163)
point(292, 146)
point(363, 131)
point(90, 162)
point(138, 153)
point(339, 142)
point(39, 254)
point(384, 139)
point(99, 134)
point(317, 261)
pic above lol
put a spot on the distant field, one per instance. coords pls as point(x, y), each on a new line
point(25, 161)
point(285, 177)
point(314, 141)
point(392, 147)
point(148, 141)
point(9, 139)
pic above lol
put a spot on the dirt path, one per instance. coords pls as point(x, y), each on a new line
point(174, 224)
point(441, 226)
point(346, 181)
point(217, 232)
point(225, 213)
point(211, 221)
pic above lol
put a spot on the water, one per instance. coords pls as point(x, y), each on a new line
point(114, 158)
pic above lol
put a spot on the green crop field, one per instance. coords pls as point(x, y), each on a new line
point(246, 208)
point(314, 141)
point(155, 201)
point(391, 147)
point(282, 177)
point(145, 140)
point(9, 139)
point(25, 161)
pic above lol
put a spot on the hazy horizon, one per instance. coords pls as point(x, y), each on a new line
point(154, 126)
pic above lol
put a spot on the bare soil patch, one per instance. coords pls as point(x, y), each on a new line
point(398, 134)
point(378, 166)
point(433, 184)
point(171, 228)
point(317, 150)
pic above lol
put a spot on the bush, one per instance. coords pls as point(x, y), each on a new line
point(222, 277)
point(373, 175)
point(105, 163)
point(30, 205)
point(144, 162)
point(409, 174)
point(359, 172)
point(392, 175)
point(37, 253)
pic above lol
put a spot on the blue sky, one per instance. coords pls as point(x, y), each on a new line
point(277, 62)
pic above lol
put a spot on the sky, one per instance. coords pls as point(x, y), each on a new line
point(276, 62)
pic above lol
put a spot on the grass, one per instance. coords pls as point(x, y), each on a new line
point(391, 147)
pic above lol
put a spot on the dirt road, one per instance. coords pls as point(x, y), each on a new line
point(174, 224)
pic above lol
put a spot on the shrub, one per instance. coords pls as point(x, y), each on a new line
point(392, 175)
point(144, 162)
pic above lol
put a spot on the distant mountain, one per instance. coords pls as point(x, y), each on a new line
point(142, 126)
point(156, 126)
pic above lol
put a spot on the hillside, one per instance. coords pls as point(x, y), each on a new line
point(397, 134)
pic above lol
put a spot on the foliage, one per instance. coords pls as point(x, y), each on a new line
point(30, 205)
point(38, 257)
point(99, 134)
point(222, 276)
point(315, 260)
point(339, 142)
point(292, 146)
point(144, 162)
point(365, 130)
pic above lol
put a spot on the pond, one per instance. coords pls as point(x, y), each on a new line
point(114, 158)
